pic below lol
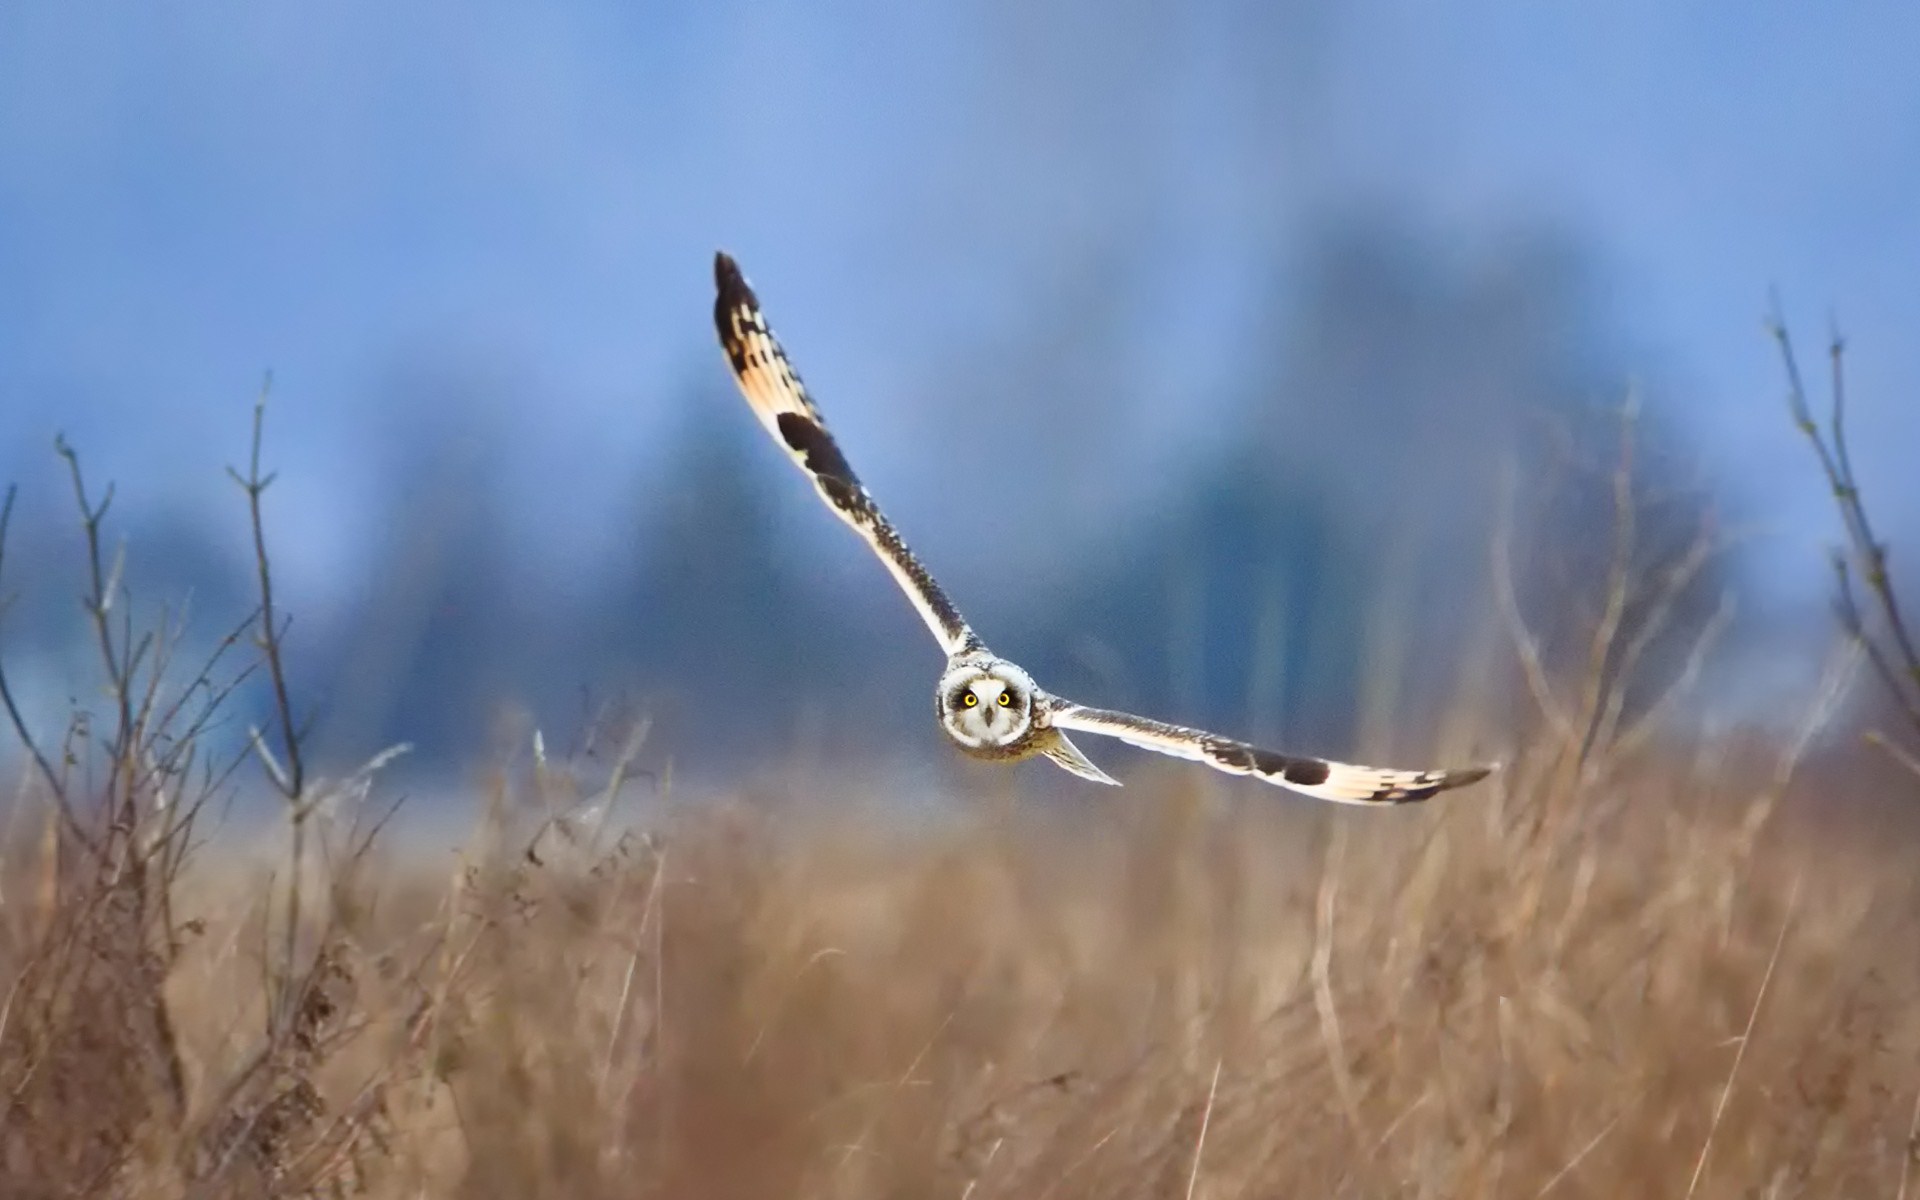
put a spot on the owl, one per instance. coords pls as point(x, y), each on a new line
point(988, 706)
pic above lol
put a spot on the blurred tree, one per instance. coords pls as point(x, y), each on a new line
point(437, 641)
point(714, 622)
point(1331, 554)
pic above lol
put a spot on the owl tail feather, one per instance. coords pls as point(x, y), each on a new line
point(1068, 757)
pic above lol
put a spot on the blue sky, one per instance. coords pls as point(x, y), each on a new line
point(192, 194)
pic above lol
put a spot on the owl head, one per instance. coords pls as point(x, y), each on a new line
point(985, 703)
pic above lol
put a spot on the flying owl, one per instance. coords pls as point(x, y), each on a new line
point(988, 705)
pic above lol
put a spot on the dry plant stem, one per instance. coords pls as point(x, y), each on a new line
point(900, 1083)
point(1746, 1039)
point(1910, 1152)
point(1079, 1162)
point(993, 1152)
point(1853, 622)
point(1606, 633)
point(149, 802)
point(1592, 726)
point(1672, 587)
point(287, 769)
point(1637, 733)
point(616, 778)
point(255, 486)
point(1893, 654)
point(1874, 550)
point(1585, 1150)
point(1588, 727)
point(621, 1005)
point(823, 954)
point(116, 661)
point(1200, 1141)
point(1899, 755)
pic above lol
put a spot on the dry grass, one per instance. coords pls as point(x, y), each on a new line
point(1660, 984)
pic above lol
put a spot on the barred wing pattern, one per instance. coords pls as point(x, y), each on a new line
point(773, 389)
point(1343, 783)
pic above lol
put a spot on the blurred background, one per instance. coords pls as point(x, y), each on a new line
point(1198, 347)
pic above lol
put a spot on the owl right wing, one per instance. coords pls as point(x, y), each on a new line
point(1343, 783)
point(773, 389)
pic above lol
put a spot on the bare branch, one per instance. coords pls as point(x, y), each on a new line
point(1883, 635)
point(291, 781)
point(56, 786)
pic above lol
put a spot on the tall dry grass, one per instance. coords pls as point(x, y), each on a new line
point(1663, 986)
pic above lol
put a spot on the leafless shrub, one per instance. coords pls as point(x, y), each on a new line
point(87, 1051)
point(97, 1089)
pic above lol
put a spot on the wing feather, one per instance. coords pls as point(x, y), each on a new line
point(1063, 752)
point(778, 398)
point(1343, 783)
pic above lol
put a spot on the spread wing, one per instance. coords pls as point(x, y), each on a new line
point(773, 389)
point(1344, 783)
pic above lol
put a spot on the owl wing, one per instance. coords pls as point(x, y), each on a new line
point(1344, 783)
point(773, 389)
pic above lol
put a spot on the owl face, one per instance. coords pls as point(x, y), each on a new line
point(986, 704)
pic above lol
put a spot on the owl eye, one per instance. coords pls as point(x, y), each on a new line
point(1006, 699)
point(969, 700)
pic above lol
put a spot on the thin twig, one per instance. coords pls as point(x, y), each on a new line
point(1602, 674)
point(255, 486)
point(286, 770)
point(1655, 619)
point(1200, 1142)
point(116, 660)
point(1077, 1163)
point(633, 966)
point(1898, 755)
point(1853, 623)
point(1911, 1151)
point(1654, 715)
point(56, 787)
point(1587, 1149)
point(1892, 652)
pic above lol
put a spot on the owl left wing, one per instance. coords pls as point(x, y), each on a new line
point(774, 391)
point(1343, 783)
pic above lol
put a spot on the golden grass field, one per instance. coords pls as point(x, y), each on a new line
point(1665, 977)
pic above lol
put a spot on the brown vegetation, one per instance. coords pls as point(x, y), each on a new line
point(1610, 991)
point(1627, 965)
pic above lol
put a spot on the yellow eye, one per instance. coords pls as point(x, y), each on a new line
point(1006, 699)
point(970, 700)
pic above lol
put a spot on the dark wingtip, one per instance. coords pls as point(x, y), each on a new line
point(1449, 780)
point(1467, 775)
point(730, 292)
point(728, 280)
